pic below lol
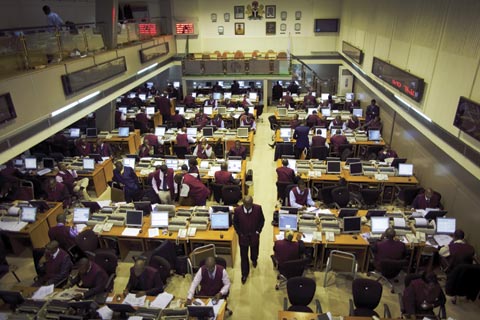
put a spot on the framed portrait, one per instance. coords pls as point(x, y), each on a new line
point(271, 28)
point(298, 26)
point(283, 15)
point(283, 27)
point(239, 28)
point(239, 12)
point(270, 12)
point(298, 15)
point(220, 30)
point(213, 17)
point(226, 17)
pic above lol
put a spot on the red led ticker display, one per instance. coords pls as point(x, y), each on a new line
point(147, 28)
point(184, 28)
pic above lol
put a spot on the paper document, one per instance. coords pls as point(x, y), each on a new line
point(443, 239)
point(216, 307)
point(42, 292)
point(80, 227)
point(12, 225)
point(105, 313)
point(421, 222)
point(198, 302)
point(324, 211)
point(68, 294)
point(132, 232)
point(279, 236)
point(399, 222)
point(162, 300)
point(153, 232)
point(307, 237)
point(135, 318)
point(419, 213)
point(132, 300)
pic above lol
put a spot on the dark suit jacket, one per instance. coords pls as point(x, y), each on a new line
point(223, 177)
point(149, 281)
point(415, 294)
point(301, 135)
point(163, 105)
point(128, 178)
point(61, 234)
point(285, 174)
point(421, 203)
point(248, 226)
point(95, 280)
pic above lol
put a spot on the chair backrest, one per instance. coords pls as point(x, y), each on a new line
point(292, 268)
point(464, 280)
point(300, 290)
point(231, 194)
point(167, 251)
point(370, 196)
point(217, 191)
point(409, 195)
point(162, 266)
point(106, 259)
point(341, 196)
point(281, 187)
point(391, 268)
point(87, 241)
point(345, 151)
point(273, 122)
point(320, 153)
point(326, 193)
point(341, 261)
point(201, 253)
point(366, 293)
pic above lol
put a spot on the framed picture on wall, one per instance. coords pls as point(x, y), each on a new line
point(213, 17)
point(298, 26)
point(220, 30)
point(298, 15)
point(283, 15)
point(239, 28)
point(239, 12)
point(271, 28)
point(270, 12)
point(226, 17)
point(283, 27)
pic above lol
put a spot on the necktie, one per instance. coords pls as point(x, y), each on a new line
point(164, 184)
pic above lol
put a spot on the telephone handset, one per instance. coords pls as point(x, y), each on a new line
point(191, 231)
point(98, 228)
point(182, 233)
point(330, 236)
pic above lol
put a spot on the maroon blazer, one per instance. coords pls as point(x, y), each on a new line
point(149, 281)
point(351, 124)
point(142, 118)
point(242, 152)
point(61, 234)
point(416, 293)
point(182, 140)
point(104, 150)
point(198, 191)
point(388, 249)
point(223, 177)
point(210, 287)
point(460, 253)
point(95, 280)
point(163, 105)
point(58, 194)
point(285, 174)
point(300, 199)
point(337, 140)
point(421, 203)
point(286, 250)
point(168, 178)
point(57, 269)
point(248, 226)
point(83, 152)
point(318, 141)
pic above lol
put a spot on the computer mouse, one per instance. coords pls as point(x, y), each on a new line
point(355, 237)
point(221, 236)
point(170, 234)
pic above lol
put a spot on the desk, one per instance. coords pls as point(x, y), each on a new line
point(246, 142)
point(291, 315)
point(132, 142)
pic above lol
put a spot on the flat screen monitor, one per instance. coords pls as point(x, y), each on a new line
point(18, 162)
point(242, 132)
point(207, 132)
point(217, 96)
point(123, 131)
point(350, 96)
point(194, 94)
point(234, 166)
point(150, 110)
point(220, 209)
point(446, 225)
point(379, 224)
point(208, 110)
point(376, 213)
point(220, 220)
point(74, 132)
point(405, 169)
point(358, 112)
point(397, 161)
point(433, 214)
point(356, 169)
point(81, 215)
point(324, 96)
point(150, 85)
point(333, 167)
point(159, 219)
point(352, 160)
point(48, 163)
point(310, 111)
point(321, 132)
point(288, 210)
point(134, 218)
point(91, 132)
point(282, 112)
point(227, 95)
point(160, 131)
point(123, 110)
point(252, 96)
point(352, 224)
point(142, 96)
point(94, 206)
point(326, 25)
point(144, 206)
point(171, 163)
point(326, 112)
point(170, 208)
point(467, 117)
point(192, 131)
point(29, 214)
point(131, 95)
point(347, 212)
point(287, 222)
point(201, 312)
point(181, 110)
point(176, 84)
point(374, 135)
point(31, 163)
point(285, 132)
point(129, 162)
point(241, 84)
point(88, 163)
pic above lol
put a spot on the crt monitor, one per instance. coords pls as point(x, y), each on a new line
point(88, 163)
point(208, 110)
point(159, 219)
point(31, 163)
point(374, 135)
point(81, 215)
point(285, 132)
point(252, 96)
point(134, 218)
point(347, 212)
point(326, 112)
point(352, 224)
point(181, 110)
point(227, 95)
point(433, 214)
point(234, 165)
point(29, 214)
point(160, 131)
point(397, 161)
point(287, 222)
point(321, 132)
point(74, 132)
point(207, 132)
point(446, 225)
point(144, 206)
point(405, 169)
point(91, 132)
point(376, 213)
point(358, 112)
point(242, 132)
point(333, 167)
point(356, 168)
point(220, 220)
point(310, 111)
point(217, 96)
point(379, 224)
point(324, 96)
point(129, 162)
point(192, 131)
point(150, 110)
point(48, 163)
point(123, 131)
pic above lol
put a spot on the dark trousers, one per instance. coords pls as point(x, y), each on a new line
point(298, 152)
point(132, 194)
point(244, 257)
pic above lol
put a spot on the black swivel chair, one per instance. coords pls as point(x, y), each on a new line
point(370, 197)
point(366, 297)
point(88, 242)
point(274, 126)
point(407, 195)
point(106, 259)
point(180, 151)
point(464, 281)
point(341, 196)
point(289, 269)
point(4, 266)
point(162, 266)
point(231, 194)
point(389, 270)
point(326, 194)
point(320, 153)
point(300, 291)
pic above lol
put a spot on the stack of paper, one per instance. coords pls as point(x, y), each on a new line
point(134, 301)
point(132, 232)
point(42, 292)
point(421, 222)
point(12, 225)
point(162, 300)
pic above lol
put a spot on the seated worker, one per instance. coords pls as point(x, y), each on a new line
point(64, 235)
point(423, 294)
point(144, 280)
point(102, 148)
point(211, 102)
point(162, 183)
point(143, 119)
point(90, 276)
point(353, 123)
point(286, 174)
point(337, 122)
point(246, 102)
point(217, 121)
point(288, 100)
point(287, 249)
point(178, 119)
point(294, 122)
point(248, 120)
point(193, 168)
point(375, 123)
point(83, 148)
point(57, 192)
point(192, 191)
point(189, 101)
point(203, 150)
point(427, 199)
point(388, 248)
point(127, 179)
point(313, 120)
point(337, 140)
point(223, 176)
point(54, 266)
point(458, 251)
point(70, 179)
point(385, 153)
point(8, 190)
point(182, 141)
point(213, 280)
point(319, 141)
point(201, 119)
point(309, 100)
point(238, 150)
point(136, 101)
point(301, 196)
point(146, 150)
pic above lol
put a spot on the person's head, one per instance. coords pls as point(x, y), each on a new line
point(62, 167)
point(177, 111)
point(146, 142)
point(338, 119)
point(164, 168)
point(83, 265)
point(354, 118)
point(237, 144)
point(224, 167)
point(178, 177)
point(203, 142)
point(139, 266)
point(246, 110)
point(338, 131)
point(301, 185)
point(289, 234)
point(429, 277)
point(61, 218)
point(314, 112)
point(390, 233)
point(184, 168)
point(192, 162)
point(309, 93)
point(51, 248)
point(248, 202)
point(373, 102)
point(46, 10)
point(285, 162)
point(428, 193)
point(342, 182)
point(459, 234)
point(210, 264)
point(119, 165)
point(200, 112)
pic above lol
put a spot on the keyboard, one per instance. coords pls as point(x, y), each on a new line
point(44, 171)
point(84, 171)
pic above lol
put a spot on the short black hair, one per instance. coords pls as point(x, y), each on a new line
point(46, 9)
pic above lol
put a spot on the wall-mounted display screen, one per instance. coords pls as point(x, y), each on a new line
point(7, 111)
point(352, 52)
point(326, 25)
point(467, 117)
point(147, 28)
point(184, 28)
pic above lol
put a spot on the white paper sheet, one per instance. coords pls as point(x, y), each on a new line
point(307, 237)
point(132, 300)
point(153, 232)
point(443, 239)
point(132, 232)
point(216, 307)
point(42, 292)
point(162, 300)
point(399, 222)
point(421, 222)
point(13, 225)
point(103, 203)
point(105, 313)
point(279, 236)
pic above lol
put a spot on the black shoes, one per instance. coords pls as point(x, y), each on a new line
point(244, 279)
point(254, 263)
point(271, 145)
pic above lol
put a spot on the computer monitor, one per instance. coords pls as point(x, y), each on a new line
point(234, 166)
point(358, 112)
point(208, 110)
point(192, 131)
point(150, 110)
point(288, 210)
point(129, 162)
point(350, 96)
point(150, 85)
point(41, 205)
point(159, 219)
point(144, 206)
point(379, 224)
point(123, 110)
point(333, 167)
point(81, 215)
point(208, 84)
point(446, 225)
point(18, 162)
point(181, 110)
point(227, 95)
point(242, 132)
point(217, 96)
point(194, 94)
point(12, 298)
point(48, 163)
point(31, 163)
point(352, 160)
point(356, 169)
point(287, 222)
point(220, 209)
point(285, 132)
point(200, 312)
point(324, 96)
point(374, 135)
point(433, 214)
point(170, 208)
point(74, 132)
point(142, 96)
point(94, 206)
point(352, 224)
point(252, 96)
point(121, 308)
point(171, 163)
point(405, 169)
point(160, 131)
point(220, 220)
point(29, 214)
point(375, 213)
point(241, 84)
point(326, 112)
point(91, 132)
point(134, 218)
point(207, 132)
point(282, 112)
point(321, 132)
point(310, 111)
point(123, 131)
point(88, 164)
point(397, 161)
point(347, 212)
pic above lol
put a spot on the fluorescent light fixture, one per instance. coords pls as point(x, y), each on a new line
point(412, 108)
point(422, 115)
point(61, 110)
point(90, 96)
point(403, 101)
point(148, 68)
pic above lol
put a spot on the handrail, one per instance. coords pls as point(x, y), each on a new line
point(83, 24)
point(306, 66)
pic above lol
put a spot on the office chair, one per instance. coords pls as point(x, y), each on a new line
point(407, 195)
point(4, 266)
point(281, 189)
point(217, 191)
point(320, 153)
point(389, 270)
point(371, 152)
point(326, 194)
point(340, 261)
point(200, 254)
point(108, 261)
point(88, 242)
point(163, 267)
point(463, 281)
point(300, 292)
point(370, 197)
point(140, 126)
point(284, 149)
point(274, 126)
point(286, 200)
point(289, 269)
point(180, 151)
point(26, 190)
point(231, 194)
point(219, 149)
point(341, 196)
point(152, 140)
point(345, 151)
point(366, 297)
